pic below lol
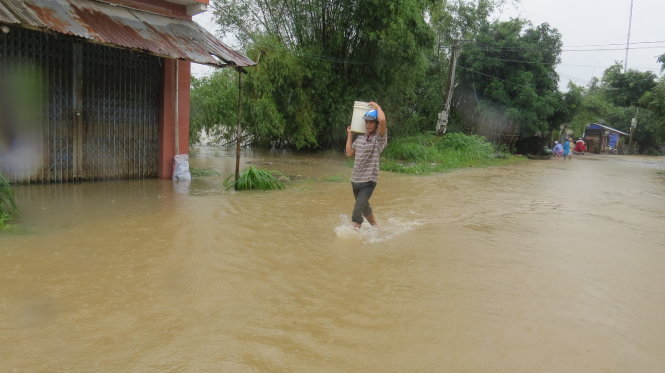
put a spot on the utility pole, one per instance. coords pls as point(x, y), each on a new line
point(442, 123)
point(630, 21)
point(633, 124)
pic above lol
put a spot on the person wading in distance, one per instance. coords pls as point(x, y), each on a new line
point(367, 149)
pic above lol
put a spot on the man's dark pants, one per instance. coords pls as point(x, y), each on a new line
point(362, 192)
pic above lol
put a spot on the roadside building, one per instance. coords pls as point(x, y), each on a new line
point(95, 90)
point(600, 138)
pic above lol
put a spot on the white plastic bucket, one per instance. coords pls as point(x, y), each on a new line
point(360, 108)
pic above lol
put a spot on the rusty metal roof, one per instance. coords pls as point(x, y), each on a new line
point(120, 26)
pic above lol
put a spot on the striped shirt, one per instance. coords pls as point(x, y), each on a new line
point(368, 150)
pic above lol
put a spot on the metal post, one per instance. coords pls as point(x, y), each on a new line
point(238, 125)
point(77, 98)
point(176, 102)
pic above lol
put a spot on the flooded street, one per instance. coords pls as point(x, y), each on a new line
point(539, 266)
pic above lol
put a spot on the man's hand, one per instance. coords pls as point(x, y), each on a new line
point(349, 142)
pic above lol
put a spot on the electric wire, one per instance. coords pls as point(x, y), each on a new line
point(494, 77)
point(534, 49)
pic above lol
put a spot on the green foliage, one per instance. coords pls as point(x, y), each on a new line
point(214, 102)
point(616, 99)
point(317, 57)
point(429, 153)
point(7, 200)
point(461, 19)
point(412, 148)
point(626, 88)
point(4, 222)
point(593, 108)
point(654, 102)
point(254, 178)
point(511, 65)
point(279, 110)
point(567, 105)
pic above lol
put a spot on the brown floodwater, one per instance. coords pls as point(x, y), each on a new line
point(538, 266)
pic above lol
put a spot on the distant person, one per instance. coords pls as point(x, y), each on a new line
point(580, 146)
point(367, 149)
point(567, 148)
point(558, 150)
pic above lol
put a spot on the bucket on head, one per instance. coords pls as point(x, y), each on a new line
point(360, 108)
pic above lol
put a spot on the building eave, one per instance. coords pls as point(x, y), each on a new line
point(123, 27)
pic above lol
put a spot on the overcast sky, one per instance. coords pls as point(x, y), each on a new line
point(595, 24)
point(586, 26)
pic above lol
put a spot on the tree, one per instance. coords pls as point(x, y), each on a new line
point(593, 108)
point(511, 67)
point(566, 106)
point(458, 20)
point(615, 99)
point(317, 57)
point(654, 102)
point(214, 100)
point(626, 89)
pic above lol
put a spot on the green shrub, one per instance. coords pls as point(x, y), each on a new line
point(429, 153)
point(410, 149)
point(652, 151)
point(254, 178)
point(7, 199)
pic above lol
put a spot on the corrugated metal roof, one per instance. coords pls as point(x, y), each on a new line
point(598, 126)
point(124, 27)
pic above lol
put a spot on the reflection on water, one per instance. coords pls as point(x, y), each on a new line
point(537, 266)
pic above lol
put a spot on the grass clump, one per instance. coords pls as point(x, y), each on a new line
point(254, 178)
point(8, 207)
point(429, 153)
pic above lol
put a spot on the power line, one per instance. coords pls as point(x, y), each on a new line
point(570, 77)
point(566, 48)
point(494, 77)
point(610, 49)
point(346, 61)
point(611, 44)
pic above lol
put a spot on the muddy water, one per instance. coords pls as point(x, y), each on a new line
point(540, 266)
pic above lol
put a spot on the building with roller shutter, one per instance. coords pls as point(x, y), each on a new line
point(96, 90)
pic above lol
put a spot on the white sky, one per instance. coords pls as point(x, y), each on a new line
point(206, 21)
point(583, 24)
point(595, 22)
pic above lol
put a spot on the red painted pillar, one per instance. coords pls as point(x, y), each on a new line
point(184, 82)
point(167, 129)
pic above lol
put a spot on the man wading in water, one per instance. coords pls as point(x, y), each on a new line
point(367, 148)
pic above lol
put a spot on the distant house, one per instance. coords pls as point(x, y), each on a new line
point(600, 138)
point(94, 90)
